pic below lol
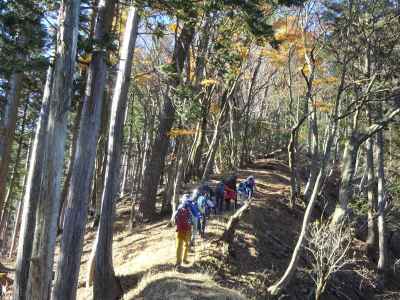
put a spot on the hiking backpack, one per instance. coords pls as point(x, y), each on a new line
point(182, 219)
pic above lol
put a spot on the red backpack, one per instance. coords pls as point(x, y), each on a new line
point(182, 220)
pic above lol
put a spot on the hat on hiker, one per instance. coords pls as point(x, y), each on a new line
point(185, 198)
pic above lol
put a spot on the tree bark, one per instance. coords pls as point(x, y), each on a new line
point(371, 237)
point(15, 174)
point(106, 285)
point(346, 183)
point(41, 269)
point(31, 196)
point(382, 262)
point(67, 180)
point(178, 179)
point(292, 148)
point(7, 130)
point(244, 157)
point(155, 165)
point(85, 156)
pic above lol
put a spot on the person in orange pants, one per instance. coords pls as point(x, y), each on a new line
point(183, 232)
point(182, 246)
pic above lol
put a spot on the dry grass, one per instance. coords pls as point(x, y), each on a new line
point(175, 285)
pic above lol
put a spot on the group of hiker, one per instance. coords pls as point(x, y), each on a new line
point(191, 215)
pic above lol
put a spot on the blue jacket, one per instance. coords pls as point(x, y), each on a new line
point(193, 209)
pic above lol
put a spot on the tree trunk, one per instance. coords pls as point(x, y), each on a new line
point(382, 262)
point(31, 196)
point(16, 228)
point(371, 238)
point(67, 180)
point(346, 183)
point(244, 157)
point(15, 174)
point(18, 216)
point(83, 166)
point(292, 149)
point(106, 285)
point(208, 168)
point(315, 161)
point(171, 176)
point(41, 268)
point(155, 165)
point(176, 187)
point(19, 209)
point(101, 162)
point(292, 166)
point(7, 130)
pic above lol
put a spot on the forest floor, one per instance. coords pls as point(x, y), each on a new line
point(144, 258)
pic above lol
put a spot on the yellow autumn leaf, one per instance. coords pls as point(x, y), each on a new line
point(208, 82)
point(177, 132)
point(172, 27)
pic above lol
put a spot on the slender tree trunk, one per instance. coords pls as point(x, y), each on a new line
point(31, 196)
point(195, 163)
point(7, 130)
point(83, 167)
point(244, 158)
point(382, 262)
point(178, 178)
point(101, 162)
point(371, 238)
point(315, 161)
point(214, 144)
point(16, 228)
point(106, 285)
point(346, 183)
point(15, 174)
point(18, 216)
point(155, 165)
point(67, 180)
point(41, 269)
point(129, 155)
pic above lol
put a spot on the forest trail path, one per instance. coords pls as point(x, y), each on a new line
point(144, 259)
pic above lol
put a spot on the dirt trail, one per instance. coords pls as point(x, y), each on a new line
point(145, 257)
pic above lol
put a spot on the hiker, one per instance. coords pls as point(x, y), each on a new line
point(183, 220)
point(246, 189)
point(219, 195)
point(203, 204)
point(196, 216)
point(230, 191)
point(205, 190)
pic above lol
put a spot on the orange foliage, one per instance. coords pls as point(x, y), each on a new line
point(323, 106)
point(177, 132)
